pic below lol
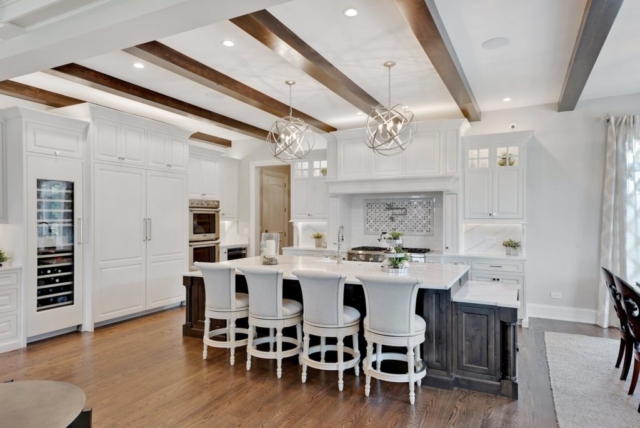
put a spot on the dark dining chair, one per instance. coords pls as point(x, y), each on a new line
point(625, 341)
point(631, 304)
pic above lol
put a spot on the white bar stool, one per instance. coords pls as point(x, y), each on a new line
point(223, 303)
point(325, 315)
point(392, 321)
point(268, 309)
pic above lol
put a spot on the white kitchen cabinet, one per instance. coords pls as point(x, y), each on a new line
point(353, 158)
point(56, 140)
point(166, 238)
point(384, 166)
point(494, 182)
point(10, 306)
point(423, 156)
point(451, 223)
point(120, 241)
point(115, 142)
point(228, 179)
point(166, 152)
point(204, 178)
point(309, 190)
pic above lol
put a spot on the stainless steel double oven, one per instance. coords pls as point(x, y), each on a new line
point(204, 231)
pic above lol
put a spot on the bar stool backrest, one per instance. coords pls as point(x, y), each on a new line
point(265, 291)
point(323, 296)
point(219, 286)
point(391, 303)
point(631, 302)
point(616, 295)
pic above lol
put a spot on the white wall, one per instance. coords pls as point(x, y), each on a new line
point(564, 194)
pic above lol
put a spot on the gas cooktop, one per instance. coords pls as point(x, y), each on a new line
point(377, 254)
point(384, 250)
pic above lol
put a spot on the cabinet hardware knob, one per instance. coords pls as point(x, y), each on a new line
point(495, 266)
point(490, 214)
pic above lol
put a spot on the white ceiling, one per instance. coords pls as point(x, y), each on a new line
point(617, 71)
point(532, 68)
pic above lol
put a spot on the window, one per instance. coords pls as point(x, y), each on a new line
point(478, 158)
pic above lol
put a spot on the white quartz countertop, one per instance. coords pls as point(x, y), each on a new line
point(489, 293)
point(314, 249)
point(433, 276)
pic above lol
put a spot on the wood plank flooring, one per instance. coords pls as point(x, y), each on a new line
point(144, 373)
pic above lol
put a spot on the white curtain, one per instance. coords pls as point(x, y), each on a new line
point(620, 229)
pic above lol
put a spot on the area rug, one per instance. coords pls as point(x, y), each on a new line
point(587, 390)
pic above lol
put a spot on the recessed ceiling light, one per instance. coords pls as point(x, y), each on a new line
point(138, 65)
point(506, 100)
point(228, 43)
point(496, 43)
point(350, 12)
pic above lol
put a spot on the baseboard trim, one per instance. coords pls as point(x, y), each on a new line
point(137, 315)
point(562, 313)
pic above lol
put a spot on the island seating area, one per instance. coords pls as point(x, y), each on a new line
point(471, 326)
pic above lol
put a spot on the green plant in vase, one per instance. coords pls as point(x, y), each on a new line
point(318, 237)
point(396, 235)
point(512, 247)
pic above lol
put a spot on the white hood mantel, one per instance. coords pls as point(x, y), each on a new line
point(399, 184)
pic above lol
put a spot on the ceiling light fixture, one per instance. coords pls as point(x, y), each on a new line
point(496, 43)
point(228, 43)
point(506, 100)
point(389, 130)
point(290, 138)
point(360, 113)
point(350, 12)
point(138, 65)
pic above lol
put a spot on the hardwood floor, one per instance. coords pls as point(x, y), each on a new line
point(144, 373)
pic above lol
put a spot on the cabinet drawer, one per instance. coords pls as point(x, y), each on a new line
point(54, 141)
point(497, 277)
point(456, 262)
point(8, 327)
point(497, 265)
point(8, 279)
point(8, 299)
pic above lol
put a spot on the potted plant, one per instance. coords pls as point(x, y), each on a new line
point(3, 258)
point(397, 261)
point(512, 248)
point(396, 239)
point(318, 237)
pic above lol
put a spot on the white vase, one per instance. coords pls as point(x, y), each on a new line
point(507, 251)
point(318, 242)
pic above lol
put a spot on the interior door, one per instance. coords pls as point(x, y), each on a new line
point(119, 242)
point(53, 279)
point(167, 238)
point(274, 204)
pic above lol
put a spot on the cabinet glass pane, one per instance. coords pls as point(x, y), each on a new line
point(55, 248)
point(507, 156)
point(478, 158)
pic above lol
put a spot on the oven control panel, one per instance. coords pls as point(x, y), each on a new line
point(204, 203)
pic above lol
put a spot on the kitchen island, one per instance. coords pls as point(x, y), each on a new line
point(469, 344)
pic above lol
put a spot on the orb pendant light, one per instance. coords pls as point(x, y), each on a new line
point(290, 138)
point(390, 130)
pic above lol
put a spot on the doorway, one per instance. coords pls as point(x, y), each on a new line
point(275, 196)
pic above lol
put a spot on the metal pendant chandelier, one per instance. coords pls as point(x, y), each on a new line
point(390, 130)
point(290, 138)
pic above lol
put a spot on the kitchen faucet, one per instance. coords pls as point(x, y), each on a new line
point(340, 241)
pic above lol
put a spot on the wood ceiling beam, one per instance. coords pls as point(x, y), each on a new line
point(598, 18)
point(36, 95)
point(53, 99)
point(425, 22)
point(272, 33)
point(86, 76)
point(172, 60)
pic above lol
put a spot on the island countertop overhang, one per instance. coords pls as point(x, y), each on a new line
point(433, 276)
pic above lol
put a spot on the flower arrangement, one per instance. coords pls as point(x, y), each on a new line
point(512, 248)
point(398, 262)
point(317, 235)
point(396, 235)
point(3, 257)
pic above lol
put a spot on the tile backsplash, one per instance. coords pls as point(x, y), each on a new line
point(410, 216)
point(304, 231)
point(414, 237)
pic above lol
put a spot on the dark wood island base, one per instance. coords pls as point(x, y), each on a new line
point(468, 346)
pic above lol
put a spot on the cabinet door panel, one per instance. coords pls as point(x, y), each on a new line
point(179, 154)
point(352, 158)
point(385, 165)
point(209, 178)
point(319, 199)
point(451, 223)
point(106, 140)
point(165, 283)
point(120, 249)
point(478, 193)
point(195, 187)
point(54, 140)
point(476, 340)
point(422, 157)
point(157, 149)
point(508, 193)
point(300, 197)
point(228, 191)
point(451, 152)
point(132, 140)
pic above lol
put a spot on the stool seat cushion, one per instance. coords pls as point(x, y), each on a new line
point(421, 326)
point(351, 315)
point(242, 300)
point(291, 307)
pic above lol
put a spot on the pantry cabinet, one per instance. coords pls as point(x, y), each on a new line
point(309, 189)
point(167, 152)
point(228, 178)
point(494, 179)
point(203, 178)
point(116, 142)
